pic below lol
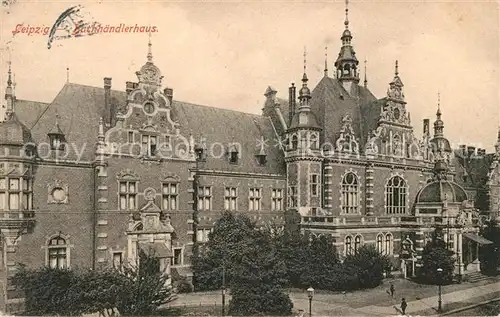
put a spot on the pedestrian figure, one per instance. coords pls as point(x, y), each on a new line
point(403, 306)
point(392, 290)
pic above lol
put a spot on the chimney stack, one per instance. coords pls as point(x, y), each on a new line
point(481, 152)
point(292, 100)
point(108, 115)
point(426, 127)
point(129, 87)
point(169, 93)
point(463, 149)
point(471, 151)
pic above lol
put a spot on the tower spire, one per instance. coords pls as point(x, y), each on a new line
point(438, 124)
point(346, 65)
point(366, 80)
point(67, 74)
point(396, 69)
point(9, 91)
point(346, 22)
point(304, 93)
point(326, 61)
point(150, 53)
point(305, 59)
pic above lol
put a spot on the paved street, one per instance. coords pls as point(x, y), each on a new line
point(422, 299)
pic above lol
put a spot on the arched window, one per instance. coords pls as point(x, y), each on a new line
point(380, 247)
point(314, 142)
point(388, 244)
point(350, 193)
point(395, 196)
point(357, 243)
point(348, 245)
point(295, 142)
point(58, 257)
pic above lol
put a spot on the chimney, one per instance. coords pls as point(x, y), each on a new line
point(129, 86)
point(481, 152)
point(463, 149)
point(471, 151)
point(169, 93)
point(108, 115)
point(426, 126)
point(292, 99)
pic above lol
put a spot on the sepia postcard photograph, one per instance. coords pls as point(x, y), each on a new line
point(249, 158)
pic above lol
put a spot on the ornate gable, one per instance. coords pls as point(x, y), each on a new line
point(347, 141)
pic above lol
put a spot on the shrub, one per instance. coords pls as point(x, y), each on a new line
point(183, 285)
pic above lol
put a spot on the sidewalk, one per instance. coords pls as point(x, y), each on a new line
point(430, 303)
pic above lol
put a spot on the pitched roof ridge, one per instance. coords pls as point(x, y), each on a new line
point(48, 105)
point(33, 101)
point(218, 108)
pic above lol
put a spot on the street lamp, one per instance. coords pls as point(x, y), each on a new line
point(223, 288)
point(440, 302)
point(310, 294)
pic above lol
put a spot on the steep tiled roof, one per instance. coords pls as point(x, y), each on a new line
point(331, 102)
point(224, 126)
point(79, 108)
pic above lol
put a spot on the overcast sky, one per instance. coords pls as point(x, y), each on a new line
point(226, 54)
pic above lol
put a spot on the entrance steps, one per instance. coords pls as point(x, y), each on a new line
point(473, 277)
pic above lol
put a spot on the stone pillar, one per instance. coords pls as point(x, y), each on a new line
point(460, 262)
point(369, 189)
point(419, 246)
point(328, 187)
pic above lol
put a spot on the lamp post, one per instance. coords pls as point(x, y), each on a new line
point(223, 288)
point(440, 301)
point(310, 294)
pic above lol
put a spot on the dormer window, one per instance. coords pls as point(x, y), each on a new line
point(57, 141)
point(233, 154)
point(56, 137)
point(233, 157)
point(149, 145)
point(262, 159)
point(200, 150)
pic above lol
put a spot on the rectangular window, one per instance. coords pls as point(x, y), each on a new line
point(149, 145)
point(117, 259)
point(14, 184)
point(14, 201)
point(2, 184)
point(254, 199)
point(314, 184)
point(169, 195)
point(128, 195)
point(177, 259)
point(57, 258)
point(2, 201)
point(230, 198)
point(292, 197)
point(277, 199)
point(130, 137)
point(204, 198)
point(202, 235)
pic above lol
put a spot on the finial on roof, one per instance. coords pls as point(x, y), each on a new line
point(326, 61)
point(9, 72)
point(67, 74)
point(150, 53)
point(396, 69)
point(305, 59)
point(366, 80)
point(438, 113)
point(346, 22)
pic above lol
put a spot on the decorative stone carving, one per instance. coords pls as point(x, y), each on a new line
point(347, 141)
point(127, 174)
point(170, 177)
point(57, 193)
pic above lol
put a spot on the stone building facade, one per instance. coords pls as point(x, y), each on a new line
point(99, 173)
